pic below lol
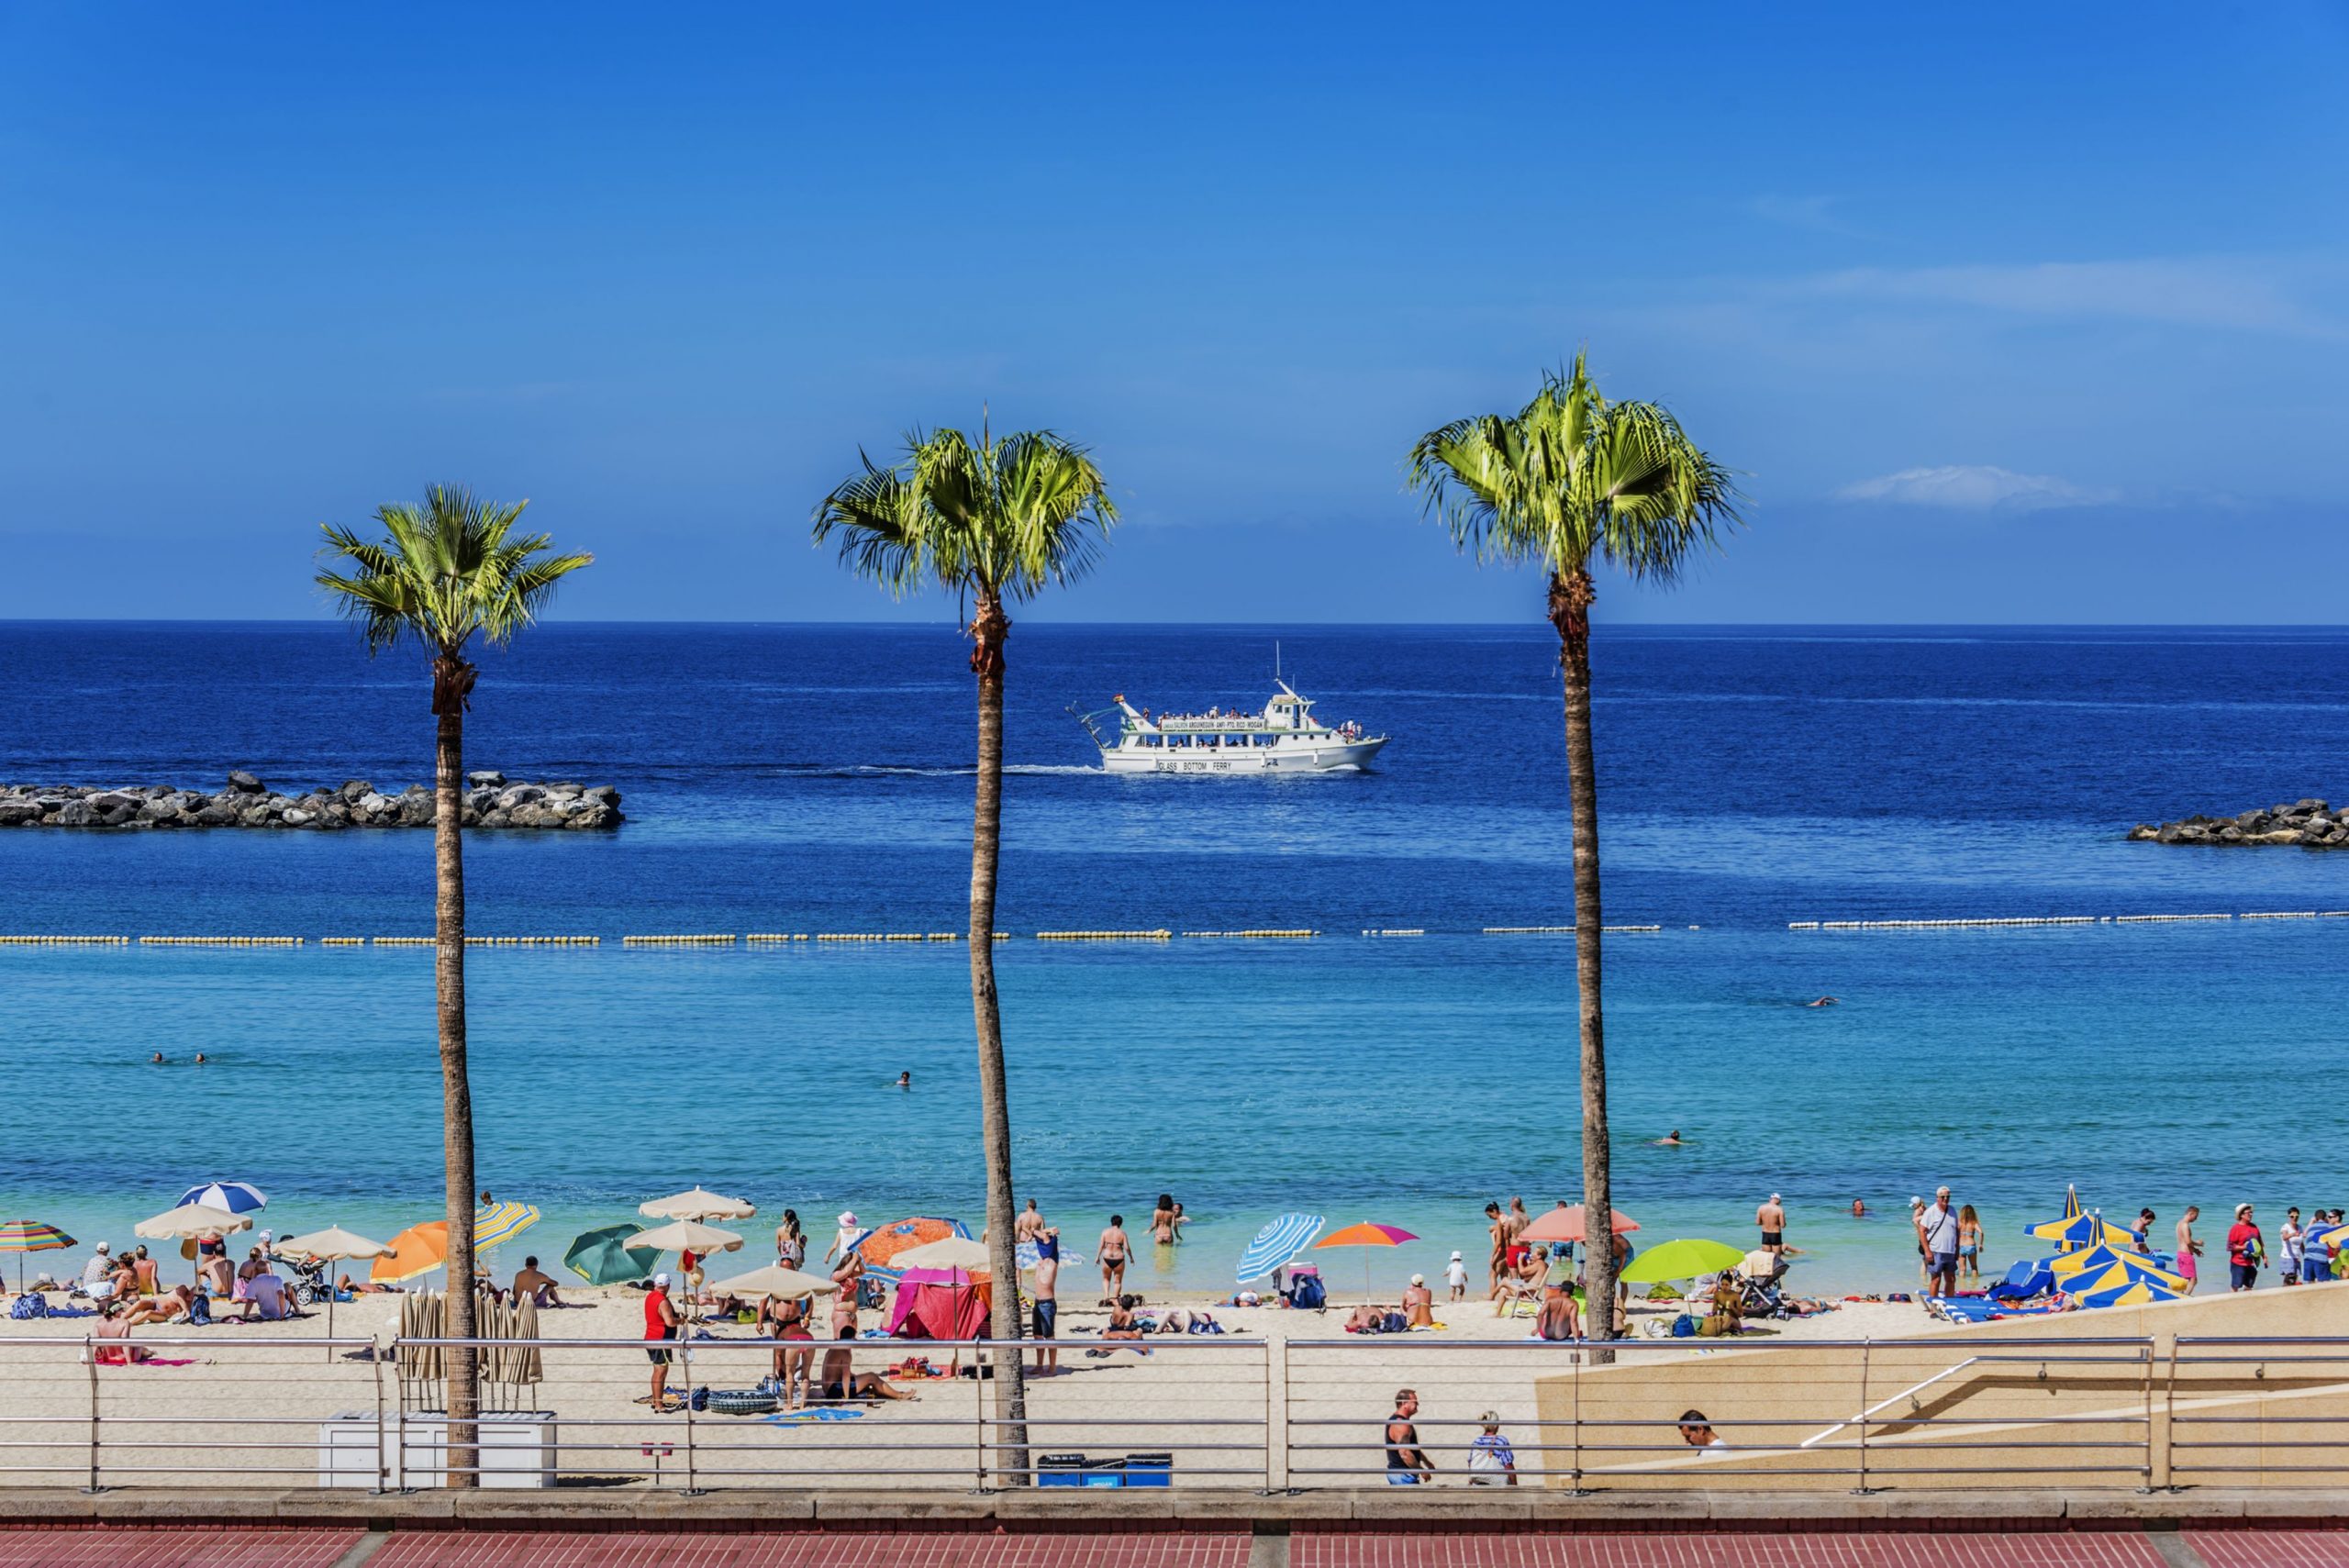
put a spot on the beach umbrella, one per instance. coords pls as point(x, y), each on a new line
point(2128, 1293)
point(1687, 1259)
point(1029, 1256)
point(686, 1236)
point(498, 1222)
point(946, 1252)
point(1277, 1243)
point(22, 1236)
point(698, 1204)
point(414, 1253)
point(1568, 1224)
point(603, 1257)
point(2103, 1259)
point(2078, 1227)
point(1365, 1235)
point(236, 1197)
point(191, 1222)
point(880, 1246)
point(790, 1284)
point(334, 1244)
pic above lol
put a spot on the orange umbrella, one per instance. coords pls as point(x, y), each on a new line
point(1366, 1234)
point(881, 1244)
point(1568, 1224)
point(418, 1249)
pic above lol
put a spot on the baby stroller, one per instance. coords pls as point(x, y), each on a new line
point(1765, 1296)
point(309, 1287)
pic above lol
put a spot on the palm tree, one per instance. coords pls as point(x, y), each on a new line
point(442, 573)
point(998, 521)
point(1568, 479)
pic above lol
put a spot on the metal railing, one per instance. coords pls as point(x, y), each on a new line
point(1186, 1410)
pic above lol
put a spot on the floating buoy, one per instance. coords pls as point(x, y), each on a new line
point(1103, 936)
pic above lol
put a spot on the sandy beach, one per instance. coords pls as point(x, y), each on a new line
point(242, 1403)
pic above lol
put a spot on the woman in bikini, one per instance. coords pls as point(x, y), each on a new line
point(1115, 1251)
point(795, 1354)
point(1969, 1245)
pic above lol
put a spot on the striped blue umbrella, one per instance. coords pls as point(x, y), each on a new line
point(229, 1197)
point(1278, 1242)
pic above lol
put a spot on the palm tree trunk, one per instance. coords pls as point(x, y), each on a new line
point(452, 681)
point(988, 628)
point(1569, 600)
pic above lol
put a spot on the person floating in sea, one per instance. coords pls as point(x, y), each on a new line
point(1669, 1141)
point(905, 1080)
point(1859, 1208)
point(199, 1059)
point(157, 1060)
point(1823, 1001)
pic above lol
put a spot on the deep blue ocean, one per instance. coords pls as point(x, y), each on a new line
point(800, 778)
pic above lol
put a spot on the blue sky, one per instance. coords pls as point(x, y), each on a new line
point(2012, 314)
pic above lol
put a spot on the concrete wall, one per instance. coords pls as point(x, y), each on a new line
point(2042, 1403)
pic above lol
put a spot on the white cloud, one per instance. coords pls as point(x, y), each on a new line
point(1974, 487)
point(2234, 292)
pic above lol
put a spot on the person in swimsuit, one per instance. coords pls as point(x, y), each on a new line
point(848, 1275)
point(2188, 1248)
point(790, 1241)
point(1494, 1265)
point(1823, 1001)
point(1418, 1304)
point(1969, 1245)
point(1162, 1221)
point(1772, 1217)
point(905, 1080)
point(1047, 1296)
point(1407, 1464)
point(1114, 1249)
point(794, 1355)
point(1029, 1224)
point(1669, 1141)
point(842, 1380)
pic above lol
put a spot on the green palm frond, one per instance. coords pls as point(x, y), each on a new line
point(1002, 518)
point(1571, 477)
point(442, 573)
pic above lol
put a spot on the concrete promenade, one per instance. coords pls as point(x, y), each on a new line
point(1532, 1528)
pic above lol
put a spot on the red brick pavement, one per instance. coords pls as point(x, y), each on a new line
point(1535, 1550)
point(82, 1545)
point(814, 1548)
point(2272, 1549)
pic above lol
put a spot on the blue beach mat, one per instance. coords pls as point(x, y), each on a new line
point(808, 1418)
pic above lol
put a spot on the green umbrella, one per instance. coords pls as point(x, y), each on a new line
point(1682, 1260)
point(600, 1257)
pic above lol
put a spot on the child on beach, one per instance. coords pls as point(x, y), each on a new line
point(1455, 1276)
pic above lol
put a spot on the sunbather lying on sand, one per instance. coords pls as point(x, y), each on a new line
point(842, 1381)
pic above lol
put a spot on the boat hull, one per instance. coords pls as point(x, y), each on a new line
point(1319, 757)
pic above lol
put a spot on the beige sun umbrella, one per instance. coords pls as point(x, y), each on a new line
point(190, 1221)
point(420, 1319)
point(686, 1236)
point(946, 1252)
point(698, 1204)
point(332, 1245)
point(790, 1284)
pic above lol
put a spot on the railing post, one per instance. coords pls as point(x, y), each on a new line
point(2169, 1420)
point(2148, 1351)
point(685, 1361)
point(978, 1421)
point(383, 1465)
point(1866, 1415)
point(90, 1354)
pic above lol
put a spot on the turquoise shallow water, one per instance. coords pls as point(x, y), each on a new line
point(782, 779)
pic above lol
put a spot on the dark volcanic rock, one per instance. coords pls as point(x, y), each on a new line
point(2306, 822)
point(355, 803)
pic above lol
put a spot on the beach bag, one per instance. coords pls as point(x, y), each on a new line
point(1307, 1294)
point(34, 1306)
point(1394, 1323)
point(1684, 1326)
point(1484, 1461)
point(199, 1310)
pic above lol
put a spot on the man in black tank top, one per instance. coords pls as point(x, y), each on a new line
point(1407, 1464)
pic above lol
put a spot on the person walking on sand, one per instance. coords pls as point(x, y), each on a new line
point(1455, 1277)
point(1924, 1253)
point(1114, 1249)
point(660, 1328)
point(2188, 1248)
point(1407, 1464)
point(2245, 1250)
point(1938, 1226)
point(1047, 1297)
point(844, 1238)
point(1498, 1262)
point(1772, 1218)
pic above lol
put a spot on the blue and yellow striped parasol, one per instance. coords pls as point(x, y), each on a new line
point(498, 1222)
point(2081, 1230)
point(2106, 1264)
point(2130, 1293)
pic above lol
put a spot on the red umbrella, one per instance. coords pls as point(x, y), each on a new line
point(1566, 1225)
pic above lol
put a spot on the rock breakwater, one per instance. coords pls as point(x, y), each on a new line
point(491, 801)
point(2312, 824)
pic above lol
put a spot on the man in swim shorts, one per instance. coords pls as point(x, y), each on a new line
point(1047, 1286)
point(1772, 1217)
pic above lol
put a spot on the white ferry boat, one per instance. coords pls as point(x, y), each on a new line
point(1284, 739)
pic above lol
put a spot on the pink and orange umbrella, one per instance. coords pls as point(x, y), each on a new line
point(1366, 1234)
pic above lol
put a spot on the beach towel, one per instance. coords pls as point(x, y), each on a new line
point(807, 1417)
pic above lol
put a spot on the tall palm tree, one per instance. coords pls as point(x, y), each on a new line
point(1570, 479)
point(1000, 521)
point(442, 573)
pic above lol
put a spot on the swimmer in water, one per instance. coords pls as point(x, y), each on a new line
point(1859, 1209)
point(905, 1080)
point(156, 1060)
point(1823, 1001)
point(1669, 1141)
point(199, 1059)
